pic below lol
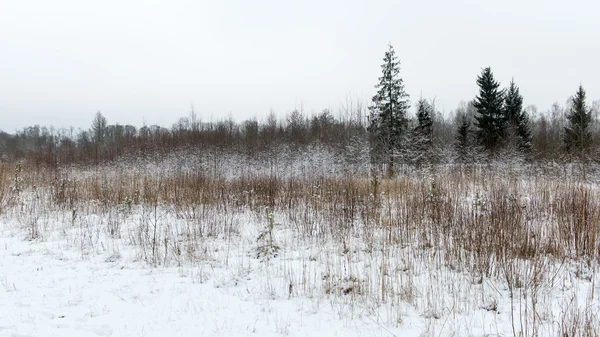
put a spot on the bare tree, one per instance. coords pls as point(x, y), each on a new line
point(98, 132)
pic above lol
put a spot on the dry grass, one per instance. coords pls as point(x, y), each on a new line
point(473, 218)
point(485, 224)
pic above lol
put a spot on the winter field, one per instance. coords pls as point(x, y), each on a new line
point(301, 246)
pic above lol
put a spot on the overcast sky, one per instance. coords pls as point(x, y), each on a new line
point(148, 61)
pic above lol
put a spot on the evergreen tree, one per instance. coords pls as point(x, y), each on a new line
point(424, 118)
point(419, 148)
point(490, 120)
point(516, 118)
point(463, 137)
point(387, 118)
point(577, 132)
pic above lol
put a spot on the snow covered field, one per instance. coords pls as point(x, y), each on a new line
point(48, 289)
point(50, 292)
point(137, 269)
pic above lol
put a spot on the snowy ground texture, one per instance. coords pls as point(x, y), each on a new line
point(82, 276)
point(49, 291)
point(57, 286)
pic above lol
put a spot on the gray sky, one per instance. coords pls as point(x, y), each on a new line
point(148, 61)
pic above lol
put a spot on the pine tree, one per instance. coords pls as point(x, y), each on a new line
point(577, 133)
point(387, 118)
point(419, 148)
point(424, 118)
point(490, 120)
point(516, 118)
point(463, 136)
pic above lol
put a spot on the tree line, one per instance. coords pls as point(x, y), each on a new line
point(493, 125)
point(104, 142)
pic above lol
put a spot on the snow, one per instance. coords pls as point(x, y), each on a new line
point(47, 291)
point(78, 280)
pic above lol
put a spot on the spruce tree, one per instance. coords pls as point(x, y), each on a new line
point(419, 149)
point(577, 133)
point(516, 118)
point(463, 136)
point(490, 120)
point(424, 118)
point(387, 118)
